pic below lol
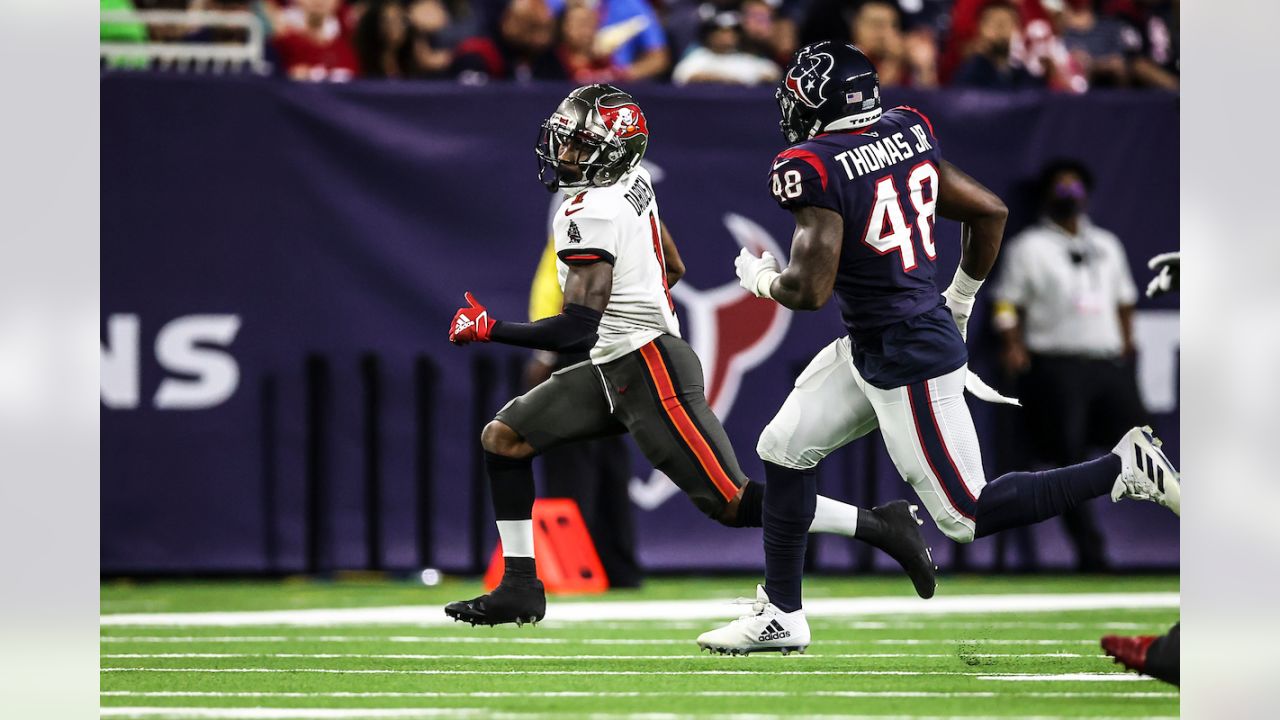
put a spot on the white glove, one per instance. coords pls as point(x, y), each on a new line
point(959, 297)
point(961, 308)
point(756, 274)
point(1167, 280)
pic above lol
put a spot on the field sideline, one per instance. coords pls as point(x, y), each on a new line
point(985, 647)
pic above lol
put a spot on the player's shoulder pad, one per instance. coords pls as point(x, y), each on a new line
point(804, 158)
point(910, 113)
point(584, 228)
point(595, 203)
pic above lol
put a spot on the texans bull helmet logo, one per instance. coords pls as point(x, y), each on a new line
point(809, 77)
point(624, 120)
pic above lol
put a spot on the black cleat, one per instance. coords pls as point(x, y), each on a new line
point(513, 601)
point(903, 542)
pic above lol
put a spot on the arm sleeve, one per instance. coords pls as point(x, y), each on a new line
point(574, 330)
point(545, 297)
point(799, 177)
point(586, 240)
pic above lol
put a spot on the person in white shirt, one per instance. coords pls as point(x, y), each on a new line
point(1064, 311)
point(720, 59)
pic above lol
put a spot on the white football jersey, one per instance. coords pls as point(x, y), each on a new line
point(619, 224)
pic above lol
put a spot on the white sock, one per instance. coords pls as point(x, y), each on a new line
point(833, 516)
point(517, 538)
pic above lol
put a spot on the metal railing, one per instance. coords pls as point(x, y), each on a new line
point(187, 56)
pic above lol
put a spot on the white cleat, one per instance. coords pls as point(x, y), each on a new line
point(766, 629)
point(1147, 473)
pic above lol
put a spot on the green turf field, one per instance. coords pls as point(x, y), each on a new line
point(370, 649)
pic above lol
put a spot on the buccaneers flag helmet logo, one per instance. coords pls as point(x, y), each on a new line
point(624, 120)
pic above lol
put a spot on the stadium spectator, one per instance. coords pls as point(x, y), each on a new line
point(1151, 41)
point(382, 41)
point(682, 21)
point(1096, 44)
point(876, 29)
point(313, 44)
point(1064, 310)
point(720, 58)
point(632, 35)
point(962, 38)
point(1044, 53)
point(576, 51)
point(523, 50)
point(766, 33)
point(993, 65)
point(435, 32)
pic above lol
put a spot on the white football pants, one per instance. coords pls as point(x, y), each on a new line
point(926, 427)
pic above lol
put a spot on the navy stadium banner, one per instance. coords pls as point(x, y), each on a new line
point(280, 263)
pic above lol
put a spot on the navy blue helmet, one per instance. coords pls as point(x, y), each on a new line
point(828, 86)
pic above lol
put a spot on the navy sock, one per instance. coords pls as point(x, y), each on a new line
point(790, 497)
point(1019, 499)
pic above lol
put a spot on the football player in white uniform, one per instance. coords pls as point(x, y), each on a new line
point(616, 265)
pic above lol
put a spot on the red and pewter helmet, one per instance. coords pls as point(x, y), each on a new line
point(608, 127)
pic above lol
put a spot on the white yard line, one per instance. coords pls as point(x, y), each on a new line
point(686, 656)
point(355, 713)
point(578, 611)
point(449, 640)
point(590, 694)
point(682, 642)
point(1076, 677)
point(1064, 677)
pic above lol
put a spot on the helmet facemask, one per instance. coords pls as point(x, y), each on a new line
point(796, 124)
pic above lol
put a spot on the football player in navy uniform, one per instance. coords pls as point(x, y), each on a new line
point(864, 186)
point(616, 263)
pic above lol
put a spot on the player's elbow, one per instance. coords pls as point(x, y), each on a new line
point(675, 271)
point(994, 209)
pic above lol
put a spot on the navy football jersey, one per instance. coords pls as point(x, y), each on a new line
point(883, 180)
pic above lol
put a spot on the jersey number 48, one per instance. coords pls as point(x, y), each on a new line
point(888, 230)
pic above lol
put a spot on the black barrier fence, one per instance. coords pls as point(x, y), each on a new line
point(322, 426)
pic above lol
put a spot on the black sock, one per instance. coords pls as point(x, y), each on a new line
point(510, 486)
point(1025, 498)
point(789, 500)
point(750, 506)
point(519, 568)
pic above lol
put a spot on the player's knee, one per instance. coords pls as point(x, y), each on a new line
point(958, 531)
point(775, 447)
point(498, 438)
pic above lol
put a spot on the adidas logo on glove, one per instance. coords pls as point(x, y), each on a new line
point(774, 631)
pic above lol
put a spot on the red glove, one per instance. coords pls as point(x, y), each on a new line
point(470, 324)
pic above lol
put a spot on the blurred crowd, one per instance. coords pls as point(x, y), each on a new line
point(1064, 45)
